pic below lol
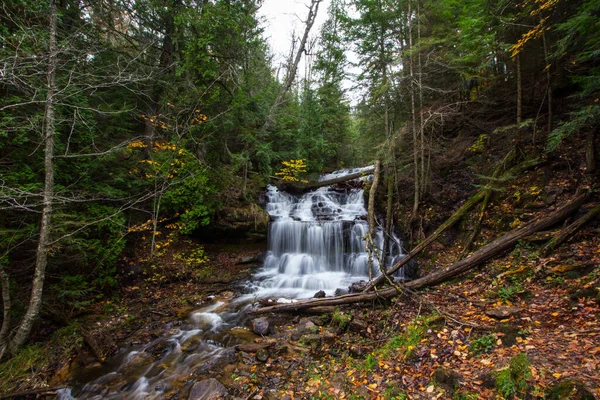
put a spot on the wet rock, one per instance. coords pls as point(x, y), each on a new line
point(216, 363)
point(357, 287)
point(571, 390)
point(319, 295)
point(306, 326)
point(255, 259)
point(340, 292)
point(208, 389)
point(261, 326)
point(262, 355)
point(358, 326)
point(502, 312)
point(160, 349)
point(447, 378)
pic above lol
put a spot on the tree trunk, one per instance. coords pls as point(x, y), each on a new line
point(454, 218)
point(413, 119)
point(389, 215)
point(24, 328)
point(590, 151)
point(7, 305)
point(519, 101)
point(291, 73)
point(564, 234)
point(295, 187)
point(549, 79)
point(493, 249)
point(370, 246)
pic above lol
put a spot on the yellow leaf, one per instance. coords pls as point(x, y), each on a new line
point(556, 375)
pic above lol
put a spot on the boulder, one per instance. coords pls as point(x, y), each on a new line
point(502, 312)
point(319, 295)
point(208, 389)
point(261, 326)
point(358, 326)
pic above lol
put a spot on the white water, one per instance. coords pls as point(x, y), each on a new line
point(316, 242)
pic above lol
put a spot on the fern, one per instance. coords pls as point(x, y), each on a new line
point(582, 118)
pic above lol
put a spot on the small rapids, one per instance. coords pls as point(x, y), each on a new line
point(315, 242)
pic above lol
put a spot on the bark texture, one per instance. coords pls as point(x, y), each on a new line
point(24, 328)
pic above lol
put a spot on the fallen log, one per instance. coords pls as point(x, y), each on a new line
point(564, 234)
point(50, 391)
point(454, 218)
point(296, 187)
point(491, 250)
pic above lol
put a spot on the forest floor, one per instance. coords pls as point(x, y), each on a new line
point(521, 326)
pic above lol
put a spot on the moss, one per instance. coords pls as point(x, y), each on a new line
point(570, 389)
point(512, 381)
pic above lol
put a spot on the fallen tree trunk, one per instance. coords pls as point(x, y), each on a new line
point(493, 249)
point(454, 218)
point(564, 234)
point(295, 187)
point(499, 245)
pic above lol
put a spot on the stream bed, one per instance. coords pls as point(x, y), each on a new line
point(315, 243)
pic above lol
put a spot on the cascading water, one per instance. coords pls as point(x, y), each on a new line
point(316, 242)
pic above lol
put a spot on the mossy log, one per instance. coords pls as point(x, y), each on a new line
point(564, 234)
point(487, 252)
point(297, 187)
point(454, 218)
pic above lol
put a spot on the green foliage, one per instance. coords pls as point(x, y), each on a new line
point(18, 368)
point(479, 145)
point(370, 362)
point(341, 320)
point(482, 344)
point(512, 381)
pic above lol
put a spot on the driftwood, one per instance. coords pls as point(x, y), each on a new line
point(491, 250)
point(295, 187)
point(454, 218)
point(564, 234)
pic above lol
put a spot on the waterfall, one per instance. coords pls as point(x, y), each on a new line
point(316, 242)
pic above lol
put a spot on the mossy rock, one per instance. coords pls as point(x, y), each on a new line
point(570, 389)
point(509, 334)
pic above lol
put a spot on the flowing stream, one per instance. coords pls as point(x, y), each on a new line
point(315, 243)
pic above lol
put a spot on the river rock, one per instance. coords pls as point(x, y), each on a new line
point(261, 326)
point(306, 326)
point(262, 355)
point(358, 326)
point(340, 292)
point(502, 312)
point(208, 389)
point(319, 295)
point(357, 287)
